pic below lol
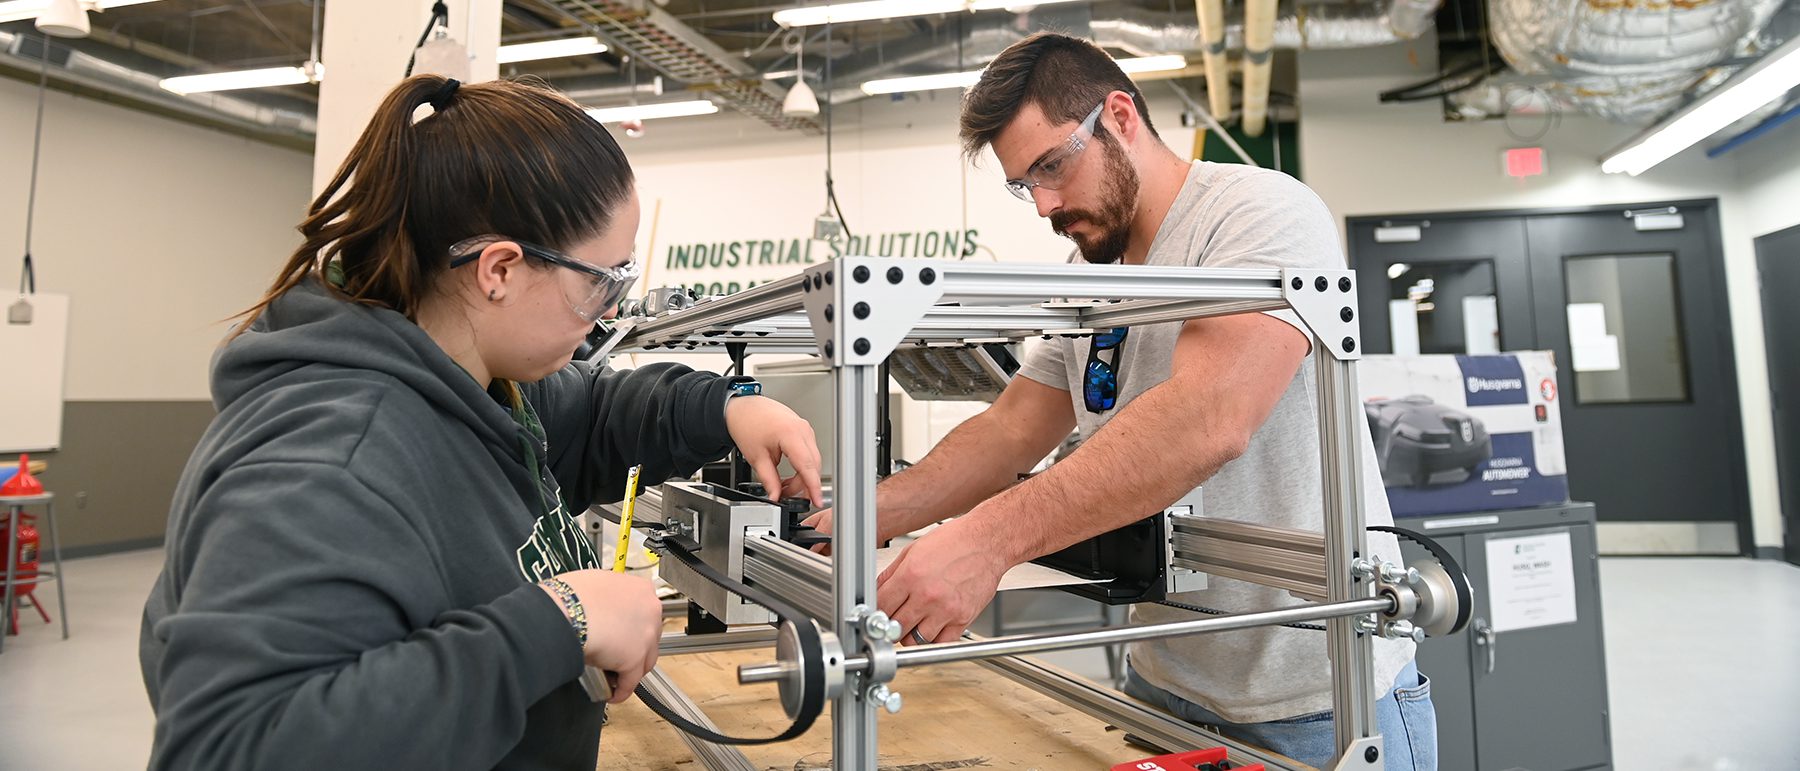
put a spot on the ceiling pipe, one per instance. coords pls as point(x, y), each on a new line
point(1212, 55)
point(1259, 60)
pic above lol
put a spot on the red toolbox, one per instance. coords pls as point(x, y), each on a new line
point(1198, 760)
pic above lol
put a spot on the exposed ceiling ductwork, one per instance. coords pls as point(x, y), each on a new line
point(1142, 32)
point(84, 73)
point(1626, 60)
point(683, 54)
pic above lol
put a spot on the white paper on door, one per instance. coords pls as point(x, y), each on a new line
point(1531, 581)
point(1590, 347)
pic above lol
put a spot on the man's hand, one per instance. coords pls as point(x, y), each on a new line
point(940, 583)
point(766, 431)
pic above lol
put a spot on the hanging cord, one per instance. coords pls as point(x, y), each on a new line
point(318, 8)
point(439, 13)
point(830, 107)
point(962, 33)
point(27, 275)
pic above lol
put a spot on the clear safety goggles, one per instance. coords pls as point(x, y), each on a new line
point(1054, 168)
point(598, 291)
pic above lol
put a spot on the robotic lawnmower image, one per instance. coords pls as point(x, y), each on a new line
point(1416, 438)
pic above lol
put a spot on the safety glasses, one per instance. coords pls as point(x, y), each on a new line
point(599, 290)
point(1054, 167)
point(1100, 380)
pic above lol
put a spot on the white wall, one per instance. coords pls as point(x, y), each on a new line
point(157, 230)
point(897, 167)
point(1769, 171)
point(1366, 158)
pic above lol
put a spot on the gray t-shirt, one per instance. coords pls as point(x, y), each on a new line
point(1229, 216)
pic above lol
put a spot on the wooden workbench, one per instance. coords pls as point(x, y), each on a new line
point(955, 716)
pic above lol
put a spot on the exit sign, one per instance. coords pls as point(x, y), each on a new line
point(1524, 162)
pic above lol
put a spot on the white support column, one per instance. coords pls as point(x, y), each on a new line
point(365, 51)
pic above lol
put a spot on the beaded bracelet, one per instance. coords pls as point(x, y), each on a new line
point(571, 607)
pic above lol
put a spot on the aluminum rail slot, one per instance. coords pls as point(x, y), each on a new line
point(647, 509)
point(940, 324)
point(755, 303)
point(1018, 645)
point(1292, 560)
point(1152, 311)
point(983, 283)
point(1001, 283)
point(799, 576)
point(1352, 653)
point(678, 644)
point(1130, 715)
point(713, 756)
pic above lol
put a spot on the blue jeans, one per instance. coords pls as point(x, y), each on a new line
point(1405, 717)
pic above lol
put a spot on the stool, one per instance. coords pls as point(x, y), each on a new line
point(14, 506)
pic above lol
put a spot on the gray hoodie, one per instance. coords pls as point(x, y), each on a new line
point(353, 545)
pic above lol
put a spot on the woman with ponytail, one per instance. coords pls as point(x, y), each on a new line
point(372, 560)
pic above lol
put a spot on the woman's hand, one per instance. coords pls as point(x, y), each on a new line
point(625, 624)
point(766, 431)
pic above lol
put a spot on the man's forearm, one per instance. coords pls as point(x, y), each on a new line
point(977, 459)
point(1154, 452)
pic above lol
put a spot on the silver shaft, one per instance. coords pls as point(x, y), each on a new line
point(1018, 645)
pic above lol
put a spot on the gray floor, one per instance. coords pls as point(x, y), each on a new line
point(1701, 655)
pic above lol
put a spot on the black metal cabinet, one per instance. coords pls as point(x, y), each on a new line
point(1522, 698)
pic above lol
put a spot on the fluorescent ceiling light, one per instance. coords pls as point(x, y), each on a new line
point(231, 81)
point(1136, 65)
point(1764, 81)
point(921, 83)
point(655, 110)
point(15, 10)
point(1162, 63)
point(839, 13)
point(550, 49)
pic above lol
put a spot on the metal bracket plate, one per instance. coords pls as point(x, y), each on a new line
point(1326, 303)
point(861, 308)
point(1365, 754)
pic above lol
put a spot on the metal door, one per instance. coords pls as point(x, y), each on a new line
point(1632, 301)
point(1540, 692)
point(1455, 285)
point(1778, 259)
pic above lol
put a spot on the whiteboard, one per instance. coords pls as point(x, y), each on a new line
point(33, 361)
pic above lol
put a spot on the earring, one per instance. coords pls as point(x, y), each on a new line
point(490, 295)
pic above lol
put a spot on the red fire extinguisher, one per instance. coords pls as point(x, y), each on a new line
point(25, 568)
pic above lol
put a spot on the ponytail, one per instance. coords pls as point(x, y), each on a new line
point(505, 157)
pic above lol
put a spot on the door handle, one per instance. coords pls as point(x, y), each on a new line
point(1488, 639)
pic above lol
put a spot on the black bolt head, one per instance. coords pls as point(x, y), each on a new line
point(862, 346)
point(1349, 345)
point(895, 275)
point(1344, 284)
point(1322, 283)
point(830, 313)
point(861, 310)
point(861, 274)
point(927, 276)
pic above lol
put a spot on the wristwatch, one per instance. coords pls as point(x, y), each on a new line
point(742, 386)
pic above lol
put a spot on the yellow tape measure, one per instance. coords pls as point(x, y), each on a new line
point(625, 513)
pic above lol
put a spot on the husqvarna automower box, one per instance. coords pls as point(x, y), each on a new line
point(1465, 433)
